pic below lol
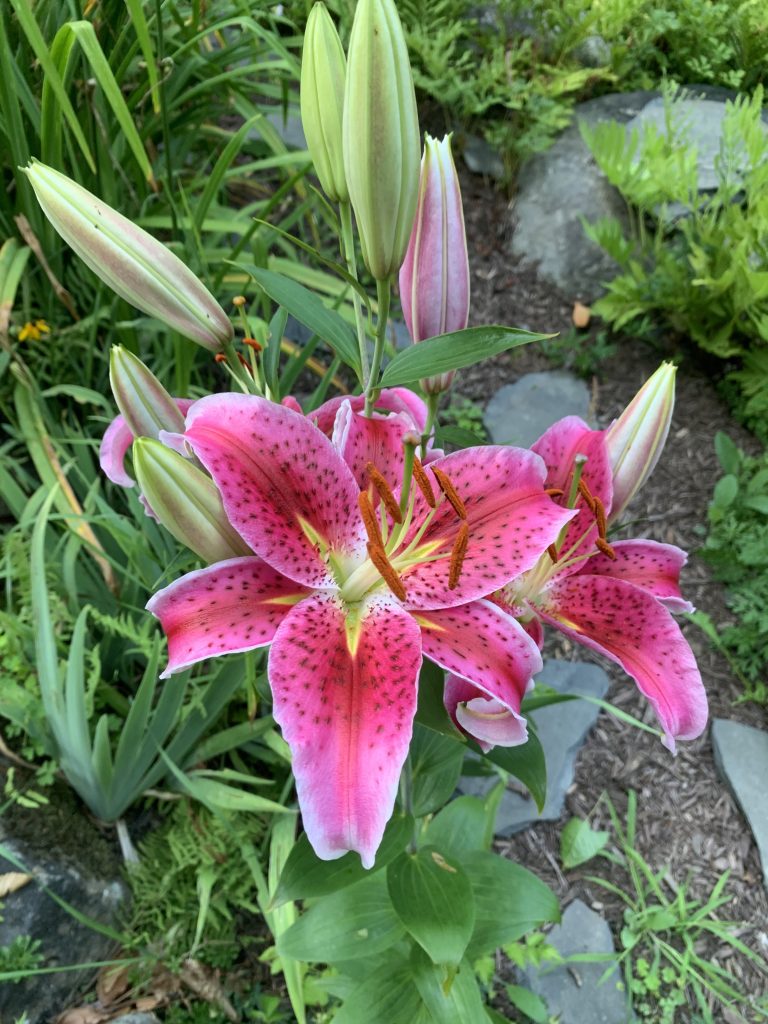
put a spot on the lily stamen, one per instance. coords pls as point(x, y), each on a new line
point(605, 548)
point(554, 492)
point(422, 480)
point(599, 510)
point(369, 519)
point(384, 492)
point(450, 492)
point(589, 498)
point(552, 552)
point(457, 555)
point(378, 556)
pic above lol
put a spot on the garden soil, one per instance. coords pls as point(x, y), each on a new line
point(686, 820)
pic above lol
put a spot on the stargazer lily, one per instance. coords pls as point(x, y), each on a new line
point(614, 598)
point(350, 597)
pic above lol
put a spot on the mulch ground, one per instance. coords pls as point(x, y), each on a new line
point(687, 820)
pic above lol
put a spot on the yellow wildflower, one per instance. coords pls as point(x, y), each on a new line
point(34, 330)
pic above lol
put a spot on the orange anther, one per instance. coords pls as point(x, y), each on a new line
point(252, 343)
point(450, 492)
point(384, 492)
point(369, 519)
point(605, 547)
point(599, 510)
point(423, 483)
point(554, 492)
point(457, 555)
point(379, 558)
point(552, 552)
point(220, 357)
point(587, 495)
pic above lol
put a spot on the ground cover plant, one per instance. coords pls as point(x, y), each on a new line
point(333, 531)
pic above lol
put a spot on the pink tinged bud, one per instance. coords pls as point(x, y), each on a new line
point(381, 136)
point(323, 70)
point(434, 279)
point(186, 501)
point(146, 406)
point(635, 440)
point(130, 261)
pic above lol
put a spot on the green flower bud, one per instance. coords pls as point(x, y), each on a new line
point(135, 265)
point(382, 146)
point(323, 69)
point(185, 501)
point(146, 406)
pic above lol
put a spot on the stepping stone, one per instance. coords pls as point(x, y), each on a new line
point(519, 413)
point(741, 758)
point(562, 729)
point(572, 994)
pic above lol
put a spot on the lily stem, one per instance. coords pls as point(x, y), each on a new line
point(432, 404)
point(348, 251)
point(238, 371)
point(371, 390)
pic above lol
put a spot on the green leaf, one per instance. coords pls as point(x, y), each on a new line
point(431, 709)
point(453, 351)
point(459, 828)
point(728, 455)
point(580, 843)
point(451, 996)
point(509, 901)
point(432, 896)
point(436, 763)
point(529, 1003)
point(309, 310)
point(459, 437)
point(726, 489)
point(527, 763)
point(305, 875)
point(386, 996)
point(359, 921)
point(758, 502)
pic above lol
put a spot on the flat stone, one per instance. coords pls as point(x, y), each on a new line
point(562, 729)
point(482, 158)
point(520, 413)
point(136, 1018)
point(582, 1001)
point(559, 187)
point(87, 875)
point(741, 757)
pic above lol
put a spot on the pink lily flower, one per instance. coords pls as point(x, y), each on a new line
point(614, 598)
point(350, 598)
point(434, 279)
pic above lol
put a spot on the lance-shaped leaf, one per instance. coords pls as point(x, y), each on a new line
point(134, 264)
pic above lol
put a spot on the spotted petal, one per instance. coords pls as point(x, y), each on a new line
point(646, 563)
point(559, 446)
point(633, 629)
point(228, 607)
point(490, 650)
point(511, 522)
point(281, 481)
point(389, 400)
point(378, 439)
point(117, 439)
point(345, 696)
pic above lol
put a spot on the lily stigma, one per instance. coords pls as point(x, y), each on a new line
point(353, 579)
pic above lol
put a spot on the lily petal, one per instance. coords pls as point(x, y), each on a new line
point(510, 518)
point(629, 626)
point(116, 441)
point(389, 400)
point(649, 565)
point(489, 649)
point(345, 697)
point(559, 446)
point(487, 720)
point(378, 439)
point(228, 607)
point(283, 484)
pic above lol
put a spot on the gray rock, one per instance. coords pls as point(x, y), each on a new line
point(562, 729)
point(559, 187)
point(289, 128)
point(741, 757)
point(85, 873)
point(136, 1018)
point(593, 52)
point(573, 996)
point(521, 412)
point(482, 158)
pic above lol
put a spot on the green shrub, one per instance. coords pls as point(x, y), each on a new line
point(693, 263)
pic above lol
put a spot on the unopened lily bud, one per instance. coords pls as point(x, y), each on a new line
point(185, 501)
point(323, 70)
point(434, 279)
point(381, 136)
point(146, 406)
point(636, 439)
point(135, 265)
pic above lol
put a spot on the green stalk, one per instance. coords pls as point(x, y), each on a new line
point(432, 404)
point(383, 289)
point(164, 119)
point(348, 251)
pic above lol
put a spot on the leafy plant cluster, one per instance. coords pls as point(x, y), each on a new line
point(736, 547)
point(692, 263)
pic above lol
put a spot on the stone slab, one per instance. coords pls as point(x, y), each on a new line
point(562, 729)
point(520, 413)
point(573, 995)
point(741, 758)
